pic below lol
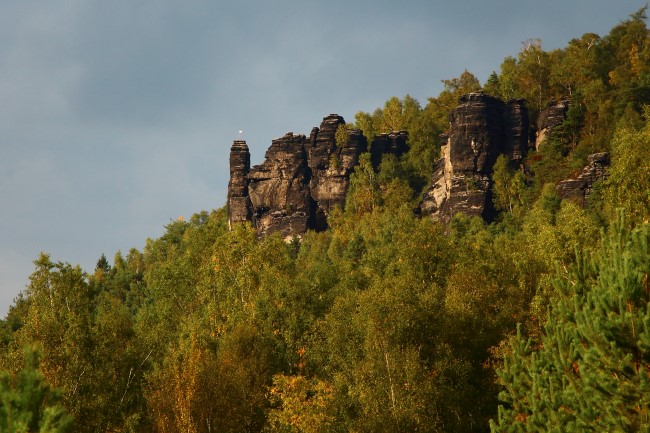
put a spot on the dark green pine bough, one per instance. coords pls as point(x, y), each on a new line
point(591, 371)
point(29, 405)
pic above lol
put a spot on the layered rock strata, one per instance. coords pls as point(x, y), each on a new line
point(303, 178)
point(578, 187)
point(481, 128)
point(300, 181)
point(279, 188)
point(517, 131)
point(239, 205)
point(331, 165)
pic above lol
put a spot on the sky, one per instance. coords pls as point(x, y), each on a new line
point(116, 117)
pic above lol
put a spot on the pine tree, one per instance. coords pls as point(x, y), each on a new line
point(491, 86)
point(590, 372)
point(30, 405)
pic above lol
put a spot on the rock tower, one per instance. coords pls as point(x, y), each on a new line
point(481, 128)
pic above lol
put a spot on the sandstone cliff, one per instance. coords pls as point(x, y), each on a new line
point(578, 187)
point(481, 128)
point(331, 165)
point(279, 188)
point(300, 181)
point(394, 143)
point(239, 205)
point(552, 116)
point(303, 178)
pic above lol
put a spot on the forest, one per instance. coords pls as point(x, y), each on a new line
point(385, 322)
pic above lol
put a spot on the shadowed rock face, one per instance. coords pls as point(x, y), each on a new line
point(516, 129)
point(578, 187)
point(300, 181)
point(239, 205)
point(279, 188)
point(552, 116)
point(481, 129)
point(331, 166)
point(394, 143)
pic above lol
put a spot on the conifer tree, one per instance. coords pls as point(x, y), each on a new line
point(590, 372)
point(30, 405)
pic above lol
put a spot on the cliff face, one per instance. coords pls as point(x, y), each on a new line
point(303, 178)
point(481, 129)
point(331, 166)
point(239, 205)
point(279, 188)
point(394, 143)
point(300, 181)
point(516, 130)
point(578, 187)
point(552, 116)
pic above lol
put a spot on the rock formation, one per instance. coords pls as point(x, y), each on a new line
point(578, 186)
point(481, 128)
point(552, 116)
point(331, 165)
point(303, 178)
point(279, 188)
point(516, 129)
point(300, 181)
point(239, 205)
point(394, 143)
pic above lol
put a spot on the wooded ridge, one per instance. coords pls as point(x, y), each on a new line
point(476, 263)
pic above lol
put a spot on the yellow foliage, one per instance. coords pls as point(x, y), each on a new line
point(300, 404)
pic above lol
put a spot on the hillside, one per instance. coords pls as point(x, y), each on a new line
point(490, 271)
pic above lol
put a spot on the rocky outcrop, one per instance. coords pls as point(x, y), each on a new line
point(279, 188)
point(303, 178)
point(578, 187)
point(331, 165)
point(395, 143)
point(481, 128)
point(239, 205)
point(517, 131)
point(300, 181)
point(552, 116)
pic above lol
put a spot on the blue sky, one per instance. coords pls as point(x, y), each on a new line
point(117, 116)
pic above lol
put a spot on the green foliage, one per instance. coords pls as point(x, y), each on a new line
point(28, 404)
point(342, 137)
point(509, 186)
point(300, 405)
point(363, 195)
point(384, 322)
point(590, 371)
point(627, 185)
point(527, 76)
point(422, 126)
point(492, 85)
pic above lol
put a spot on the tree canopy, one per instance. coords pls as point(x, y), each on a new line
point(385, 322)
